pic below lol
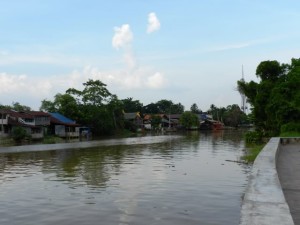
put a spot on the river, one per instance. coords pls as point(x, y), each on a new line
point(186, 180)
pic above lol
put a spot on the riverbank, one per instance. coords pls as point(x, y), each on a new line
point(90, 144)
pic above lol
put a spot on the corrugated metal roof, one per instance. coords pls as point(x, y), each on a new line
point(61, 118)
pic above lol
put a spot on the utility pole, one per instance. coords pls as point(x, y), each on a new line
point(2, 126)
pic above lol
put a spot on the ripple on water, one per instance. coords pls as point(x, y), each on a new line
point(186, 181)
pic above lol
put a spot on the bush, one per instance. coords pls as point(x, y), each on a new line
point(290, 127)
point(52, 140)
point(19, 134)
point(130, 126)
point(254, 137)
point(252, 153)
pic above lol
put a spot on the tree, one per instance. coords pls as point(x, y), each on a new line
point(177, 108)
point(19, 134)
point(195, 109)
point(155, 121)
point(130, 105)
point(65, 104)
point(97, 106)
point(189, 120)
point(234, 116)
point(269, 70)
point(151, 108)
point(94, 93)
point(164, 106)
point(275, 99)
point(48, 106)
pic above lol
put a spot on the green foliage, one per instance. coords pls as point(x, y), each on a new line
point(290, 127)
point(234, 116)
point(155, 121)
point(19, 134)
point(48, 106)
point(252, 153)
point(129, 125)
point(253, 137)
point(130, 105)
point(290, 134)
point(195, 109)
point(269, 70)
point(163, 106)
point(189, 120)
point(52, 140)
point(276, 98)
point(16, 106)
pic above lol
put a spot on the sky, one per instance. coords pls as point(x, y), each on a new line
point(185, 51)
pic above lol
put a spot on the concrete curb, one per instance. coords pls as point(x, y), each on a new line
point(264, 202)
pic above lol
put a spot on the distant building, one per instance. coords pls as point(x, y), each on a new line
point(63, 126)
point(37, 124)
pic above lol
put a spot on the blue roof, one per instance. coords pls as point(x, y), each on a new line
point(62, 118)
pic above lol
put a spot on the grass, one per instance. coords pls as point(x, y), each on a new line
point(51, 140)
point(253, 152)
point(6, 141)
point(290, 134)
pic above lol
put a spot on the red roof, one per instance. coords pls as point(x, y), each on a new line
point(39, 113)
point(13, 113)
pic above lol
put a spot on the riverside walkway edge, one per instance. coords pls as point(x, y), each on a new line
point(264, 202)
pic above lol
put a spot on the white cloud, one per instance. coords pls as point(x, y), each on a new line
point(30, 90)
point(123, 36)
point(153, 23)
point(156, 81)
point(122, 39)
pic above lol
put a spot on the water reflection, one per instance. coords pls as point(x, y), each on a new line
point(179, 181)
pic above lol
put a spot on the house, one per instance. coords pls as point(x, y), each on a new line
point(11, 118)
point(37, 123)
point(174, 120)
point(63, 126)
point(135, 118)
point(208, 123)
point(164, 122)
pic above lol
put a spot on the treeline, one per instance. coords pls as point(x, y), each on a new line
point(275, 100)
point(95, 106)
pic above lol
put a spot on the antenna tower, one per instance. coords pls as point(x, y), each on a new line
point(243, 97)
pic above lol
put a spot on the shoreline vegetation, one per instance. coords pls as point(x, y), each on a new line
point(254, 148)
point(275, 103)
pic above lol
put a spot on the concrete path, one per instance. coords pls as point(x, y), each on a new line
point(288, 168)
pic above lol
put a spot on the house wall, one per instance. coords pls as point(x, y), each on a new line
point(66, 132)
point(3, 121)
point(26, 121)
point(42, 120)
point(60, 130)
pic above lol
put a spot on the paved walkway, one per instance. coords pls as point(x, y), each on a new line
point(288, 168)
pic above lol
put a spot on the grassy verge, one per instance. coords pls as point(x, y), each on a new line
point(290, 134)
point(7, 142)
point(52, 140)
point(252, 152)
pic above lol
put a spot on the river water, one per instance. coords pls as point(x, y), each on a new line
point(178, 181)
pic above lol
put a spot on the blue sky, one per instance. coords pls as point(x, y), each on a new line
point(185, 51)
